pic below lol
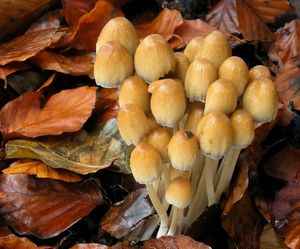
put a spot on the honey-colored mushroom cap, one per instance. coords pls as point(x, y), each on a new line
point(258, 72)
point(193, 47)
point(181, 66)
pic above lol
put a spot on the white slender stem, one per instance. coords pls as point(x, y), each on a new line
point(164, 181)
point(197, 171)
point(225, 177)
point(181, 221)
point(174, 221)
point(164, 221)
point(156, 185)
point(211, 166)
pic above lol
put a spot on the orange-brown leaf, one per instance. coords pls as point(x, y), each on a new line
point(287, 41)
point(164, 24)
point(65, 111)
point(41, 170)
point(74, 64)
point(12, 68)
point(45, 207)
point(11, 241)
point(27, 45)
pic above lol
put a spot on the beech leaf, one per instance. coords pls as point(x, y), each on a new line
point(11, 241)
point(27, 45)
point(269, 239)
point(45, 207)
point(74, 64)
point(80, 152)
point(65, 111)
point(41, 170)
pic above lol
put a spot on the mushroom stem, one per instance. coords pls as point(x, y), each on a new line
point(174, 221)
point(211, 166)
point(164, 181)
point(230, 160)
point(197, 171)
point(149, 228)
point(163, 229)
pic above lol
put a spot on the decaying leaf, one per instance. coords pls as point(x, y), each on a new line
point(74, 64)
point(287, 41)
point(41, 170)
point(123, 218)
point(246, 17)
point(65, 111)
point(80, 152)
point(269, 239)
point(45, 207)
point(27, 45)
point(100, 246)
point(11, 241)
point(12, 68)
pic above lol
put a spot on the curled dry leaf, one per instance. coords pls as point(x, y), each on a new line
point(74, 64)
point(288, 84)
point(12, 68)
point(65, 111)
point(286, 214)
point(287, 41)
point(16, 15)
point(269, 239)
point(41, 170)
point(100, 246)
point(45, 207)
point(11, 241)
point(164, 24)
point(123, 218)
point(246, 17)
point(80, 152)
point(27, 45)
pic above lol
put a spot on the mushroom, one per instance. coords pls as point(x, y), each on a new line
point(243, 126)
point(258, 72)
point(153, 58)
point(134, 90)
point(261, 100)
point(181, 66)
point(221, 96)
point(146, 166)
point(121, 30)
point(167, 102)
point(113, 64)
point(133, 125)
point(178, 194)
point(236, 70)
point(193, 118)
point(215, 48)
point(200, 74)
point(193, 47)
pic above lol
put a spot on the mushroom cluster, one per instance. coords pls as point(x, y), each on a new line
point(188, 114)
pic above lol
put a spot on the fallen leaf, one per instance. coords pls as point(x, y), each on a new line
point(80, 152)
point(296, 5)
point(123, 218)
point(50, 20)
point(269, 239)
point(246, 17)
point(100, 246)
point(13, 242)
point(74, 64)
point(16, 15)
point(164, 24)
point(65, 111)
point(177, 242)
point(286, 214)
point(27, 45)
point(12, 68)
point(244, 223)
point(288, 85)
point(45, 207)
point(47, 83)
point(287, 41)
point(84, 35)
point(41, 170)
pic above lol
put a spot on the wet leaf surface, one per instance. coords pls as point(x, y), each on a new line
point(11, 241)
point(123, 218)
point(25, 117)
point(287, 41)
point(40, 170)
point(74, 64)
point(81, 152)
point(27, 45)
point(45, 207)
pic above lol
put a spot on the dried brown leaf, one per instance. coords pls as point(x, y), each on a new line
point(287, 41)
point(45, 207)
point(13, 242)
point(12, 68)
point(269, 239)
point(100, 246)
point(123, 218)
point(74, 64)
point(27, 45)
point(65, 111)
point(164, 24)
point(41, 170)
